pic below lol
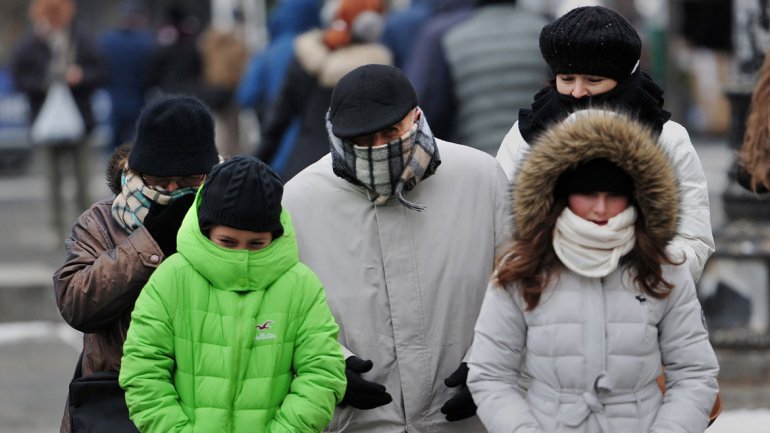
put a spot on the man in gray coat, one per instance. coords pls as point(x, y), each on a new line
point(402, 230)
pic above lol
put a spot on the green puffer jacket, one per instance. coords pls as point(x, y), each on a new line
point(232, 341)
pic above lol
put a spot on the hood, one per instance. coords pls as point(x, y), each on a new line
point(236, 270)
point(587, 135)
point(292, 17)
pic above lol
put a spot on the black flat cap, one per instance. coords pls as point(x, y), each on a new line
point(369, 99)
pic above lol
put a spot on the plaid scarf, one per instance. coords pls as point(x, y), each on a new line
point(390, 169)
point(130, 207)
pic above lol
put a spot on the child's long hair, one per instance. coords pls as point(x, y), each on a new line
point(532, 263)
point(755, 151)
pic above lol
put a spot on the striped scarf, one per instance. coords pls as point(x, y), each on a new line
point(130, 207)
point(390, 169)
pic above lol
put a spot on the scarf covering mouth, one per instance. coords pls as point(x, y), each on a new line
point(638, 96)
point(130, 207)
point(390, 169)
point(589, 249)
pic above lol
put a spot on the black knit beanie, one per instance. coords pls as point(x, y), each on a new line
point(591, 40)
point(243, 193)
point(174, 137)
point(596, 175)
point(370, 98)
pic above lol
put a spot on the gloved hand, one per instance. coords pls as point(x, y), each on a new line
point(162, 222)
point(360, 393)
point(460, 406)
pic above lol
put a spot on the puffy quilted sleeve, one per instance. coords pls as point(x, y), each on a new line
point(148, 360)
point(693, 237)
point(689, 361)
point(496, 364)
point(319, 368)
point(512, 152)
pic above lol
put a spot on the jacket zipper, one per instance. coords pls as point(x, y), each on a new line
point(237, 364)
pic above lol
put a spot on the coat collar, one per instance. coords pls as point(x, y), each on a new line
point(236, 270)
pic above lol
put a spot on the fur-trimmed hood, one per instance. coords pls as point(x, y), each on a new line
point(587, 135)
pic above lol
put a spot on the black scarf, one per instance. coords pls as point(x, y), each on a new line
point(637, 96)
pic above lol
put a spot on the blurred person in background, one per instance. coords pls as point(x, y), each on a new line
point(494, 69)
point(427, 67)
point(402, 230)
point(593, 53)
point(56, 50)
point(321, 58)
point(260, 84)
point(399, 31)
point(118, 243)
point(127, 51)
point(224, 55)
point(176, 66)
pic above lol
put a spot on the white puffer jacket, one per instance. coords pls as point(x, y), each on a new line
point(594, 346)
point(693, 237)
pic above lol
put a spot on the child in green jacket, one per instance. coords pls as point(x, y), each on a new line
point(233, 333)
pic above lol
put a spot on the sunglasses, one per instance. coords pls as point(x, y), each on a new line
point(191, 181)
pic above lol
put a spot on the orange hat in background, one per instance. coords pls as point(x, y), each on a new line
point(339, 33)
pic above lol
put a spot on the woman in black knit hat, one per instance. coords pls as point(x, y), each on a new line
point(594, 53)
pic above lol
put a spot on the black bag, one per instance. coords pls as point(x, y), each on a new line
point(97, 403)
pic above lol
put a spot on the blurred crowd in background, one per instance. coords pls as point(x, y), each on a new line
point(267, 67)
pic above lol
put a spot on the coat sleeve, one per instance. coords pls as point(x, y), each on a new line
point(511, 152)
point(89, 58)
point(689, 362)
point(147, 366)
point(287, 106)
point(319, 369)
point(429, 72)
point(693, 238)
point(29, 66)
point(99, 280)
point(249, 92)
point(495, 369)
point(503, 222)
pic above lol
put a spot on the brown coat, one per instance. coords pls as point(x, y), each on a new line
point(103, 273)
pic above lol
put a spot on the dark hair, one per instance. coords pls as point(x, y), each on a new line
point(531, 261)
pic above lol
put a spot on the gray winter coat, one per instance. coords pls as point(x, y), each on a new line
point(404, 286)
point(594, 346)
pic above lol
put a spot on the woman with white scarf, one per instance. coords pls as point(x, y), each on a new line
point(588, 300)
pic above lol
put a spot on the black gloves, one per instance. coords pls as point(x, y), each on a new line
point(460, 406)
point(163, 222)
point(360, 393)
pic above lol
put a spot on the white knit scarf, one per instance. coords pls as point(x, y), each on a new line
point(592, 250)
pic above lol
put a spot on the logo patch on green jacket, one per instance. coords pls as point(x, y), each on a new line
point(263, 331)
